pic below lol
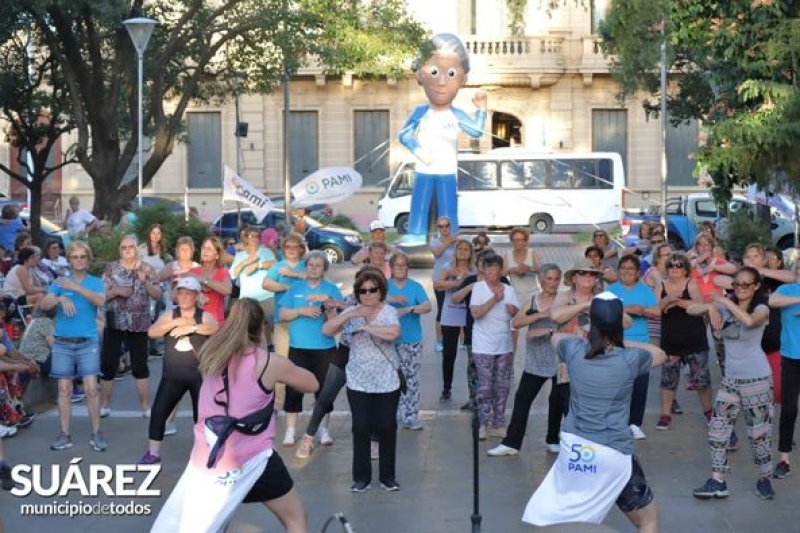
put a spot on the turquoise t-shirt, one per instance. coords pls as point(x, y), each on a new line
point(286, 280)
point(639, 294)
point(410, 324)
point(84, 322)
point(250, 285)
point(305, 332)
point(790, 322)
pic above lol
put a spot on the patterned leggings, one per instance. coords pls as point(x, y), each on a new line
point(754, 397)
point(494, 383)
point(409, 353)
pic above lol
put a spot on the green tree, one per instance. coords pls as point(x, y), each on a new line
point(194, 55)
point(34, 104)
point(732, 65)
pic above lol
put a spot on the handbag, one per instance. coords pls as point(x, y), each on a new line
point(400, 375)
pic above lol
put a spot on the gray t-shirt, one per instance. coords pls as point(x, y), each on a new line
point(600, 392)
point(744, 357)
point(443, 261)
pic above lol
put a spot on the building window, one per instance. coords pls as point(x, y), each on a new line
point(303, 144)
point(371, 147)
point(681, 146)
point(610, 132)
point(204, 150)
point(599, 8)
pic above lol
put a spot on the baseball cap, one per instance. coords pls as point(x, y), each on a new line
point(605, 311)
point(377, 225)
point(190, 284)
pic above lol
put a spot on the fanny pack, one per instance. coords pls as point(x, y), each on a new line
point(222, 426)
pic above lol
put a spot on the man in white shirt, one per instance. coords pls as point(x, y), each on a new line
point(79, 221)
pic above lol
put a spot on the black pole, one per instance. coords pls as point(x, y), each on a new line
point(476, 514)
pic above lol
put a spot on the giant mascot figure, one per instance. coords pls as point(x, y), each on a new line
point(431, 133)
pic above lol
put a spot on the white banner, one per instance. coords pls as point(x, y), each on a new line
point(236, 189)
point(326, 186)
point(778, 201)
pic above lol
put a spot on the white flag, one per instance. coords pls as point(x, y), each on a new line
point(326, 186)
point(237, 190)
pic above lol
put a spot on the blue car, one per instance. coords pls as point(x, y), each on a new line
point(339, 244)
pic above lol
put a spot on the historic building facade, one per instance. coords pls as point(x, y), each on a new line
point(549, 90)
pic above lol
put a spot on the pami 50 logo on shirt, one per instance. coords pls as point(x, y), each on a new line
point(581, 459)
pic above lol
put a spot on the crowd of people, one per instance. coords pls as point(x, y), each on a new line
point(266, 317)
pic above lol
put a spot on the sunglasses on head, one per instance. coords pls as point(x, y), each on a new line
point(371, 290)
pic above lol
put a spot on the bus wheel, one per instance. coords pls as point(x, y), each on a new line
point(401, 224)
point(541, 224)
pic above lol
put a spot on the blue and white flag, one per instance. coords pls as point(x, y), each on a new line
point(326, 186)
point(236, 189)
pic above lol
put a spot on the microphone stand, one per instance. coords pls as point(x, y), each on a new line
point(476, 514)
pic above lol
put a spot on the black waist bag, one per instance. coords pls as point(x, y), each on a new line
point(224, 425)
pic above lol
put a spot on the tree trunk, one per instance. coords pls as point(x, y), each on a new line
point(35, 208)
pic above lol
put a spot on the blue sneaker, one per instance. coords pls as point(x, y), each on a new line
point(764, 489)
point(712, 489)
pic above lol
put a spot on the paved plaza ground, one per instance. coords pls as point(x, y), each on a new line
point(434, 466)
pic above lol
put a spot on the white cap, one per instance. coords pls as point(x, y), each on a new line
point(376, 225)
point(188, 283)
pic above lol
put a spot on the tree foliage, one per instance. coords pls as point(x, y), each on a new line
point(33, 104)
point(197, 53)
point(732, 64)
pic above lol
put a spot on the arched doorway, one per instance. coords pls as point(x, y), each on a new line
point(506, 130)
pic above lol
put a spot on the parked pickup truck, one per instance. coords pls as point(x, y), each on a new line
point(685, 213)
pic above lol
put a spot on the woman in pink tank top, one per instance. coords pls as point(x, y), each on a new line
point(238, 380)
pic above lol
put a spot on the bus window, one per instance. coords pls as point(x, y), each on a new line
point(477, 176)
point(516, 175)
point(561, 174)
point(588, 175)
point(404, 182)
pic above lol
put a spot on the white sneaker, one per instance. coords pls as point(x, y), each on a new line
point(482, 432)
point(501, 450)
point(289, 437)
point(105, 412)
point(553, 448)
point(146, 413)
point(170, 429)
point(637, 432)
point(325, 438)
point(7, 431)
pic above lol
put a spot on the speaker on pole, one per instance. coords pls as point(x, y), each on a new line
point(241, 129)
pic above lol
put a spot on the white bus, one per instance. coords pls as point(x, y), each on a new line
point(511, 187)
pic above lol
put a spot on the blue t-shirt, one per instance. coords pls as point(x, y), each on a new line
point(9, 229)
point(410, 324)
point(286, 280)
point(250, 285)
point(84, 322)
point(600, 392)
point(306, 332)
point(790, 322)
point(639, 294)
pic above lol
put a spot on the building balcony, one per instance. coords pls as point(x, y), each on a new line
point(532, 61)
point(592, 59)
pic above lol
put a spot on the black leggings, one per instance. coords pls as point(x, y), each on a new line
point(169, 394)
point(790, 391)
point(450, 336)
point(316, 362)
point(558, 405)
point(374, 413)
point(112, 351)
point(639, 399)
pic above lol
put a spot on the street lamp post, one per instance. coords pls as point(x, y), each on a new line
point(140, 29)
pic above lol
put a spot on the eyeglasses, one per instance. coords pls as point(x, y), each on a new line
point(676, 265)
point(520, 239)
point(252, 235)
point(442, 226)
point(585, 273)
point(83, 257)
point(656, 242)
point(400, 265)
point(742, 285)
point(600, 235)
point(127, 247)
point(291, 246)
point(371, 290)
point(231, 243)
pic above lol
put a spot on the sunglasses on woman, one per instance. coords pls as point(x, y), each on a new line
point(675, 265)
point(371, 290)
